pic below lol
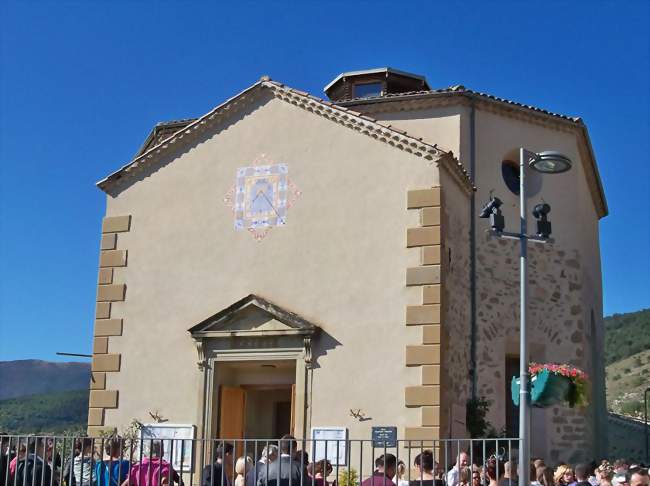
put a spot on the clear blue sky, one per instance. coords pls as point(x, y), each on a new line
point(82, 83)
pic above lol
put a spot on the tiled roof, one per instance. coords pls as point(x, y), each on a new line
point(381, 131)
point(455, 90)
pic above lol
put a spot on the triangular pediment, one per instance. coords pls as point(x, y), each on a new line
point(253, 316)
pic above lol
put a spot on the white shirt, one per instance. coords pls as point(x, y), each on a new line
point(452, 476)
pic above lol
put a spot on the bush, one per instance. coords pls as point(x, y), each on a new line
point(633, 407)
point(348, 477)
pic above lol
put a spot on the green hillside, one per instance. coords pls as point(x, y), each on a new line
point(626, 334)
point(51, 413)
point(627, 357)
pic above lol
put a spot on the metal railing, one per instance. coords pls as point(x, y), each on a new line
point(116, 461)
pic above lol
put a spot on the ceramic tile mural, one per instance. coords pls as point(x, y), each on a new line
point(261, 196)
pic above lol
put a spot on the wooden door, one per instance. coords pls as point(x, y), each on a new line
point(232, 415)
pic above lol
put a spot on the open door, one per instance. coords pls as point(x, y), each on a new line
point(232, 415)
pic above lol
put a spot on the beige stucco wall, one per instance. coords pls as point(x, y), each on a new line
point(339, 262)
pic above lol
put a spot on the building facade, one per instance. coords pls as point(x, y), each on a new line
point(286, 262)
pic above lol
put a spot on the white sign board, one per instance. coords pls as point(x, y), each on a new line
point(330, 443)
point(177, 439)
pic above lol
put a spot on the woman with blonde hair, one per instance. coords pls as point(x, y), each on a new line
point(243, 465)
point(563, 475)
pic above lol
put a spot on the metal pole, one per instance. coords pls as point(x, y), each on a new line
point(524, 393)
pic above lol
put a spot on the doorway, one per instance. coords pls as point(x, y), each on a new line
point(256, 399)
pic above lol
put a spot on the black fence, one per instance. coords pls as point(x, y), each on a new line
point(162, 461)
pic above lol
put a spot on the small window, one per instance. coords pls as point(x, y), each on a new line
point(510, 173)
point(365, 90)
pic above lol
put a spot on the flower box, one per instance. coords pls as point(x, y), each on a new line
point(552, 384)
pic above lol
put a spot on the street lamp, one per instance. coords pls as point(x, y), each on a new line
point(548, 162)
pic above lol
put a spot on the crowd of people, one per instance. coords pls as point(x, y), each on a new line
point(36, 463)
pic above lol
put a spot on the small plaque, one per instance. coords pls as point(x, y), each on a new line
point(384, 436)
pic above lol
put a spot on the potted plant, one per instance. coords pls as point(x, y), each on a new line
point(553, 383)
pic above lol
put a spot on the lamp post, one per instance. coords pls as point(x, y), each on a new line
point(547, 163)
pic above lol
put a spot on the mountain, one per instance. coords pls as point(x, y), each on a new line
point(49, 413)
point(626, 334)
point(627, 356)
point(31, 376)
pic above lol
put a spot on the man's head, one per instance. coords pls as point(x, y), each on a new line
point(582, 472)
point(36, 445)
point(637, 476)
point(288, 444)
point(157, 448)
point(113, 447)
point(387, 464)
point(463, 460)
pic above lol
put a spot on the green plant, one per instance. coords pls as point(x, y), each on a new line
point(476, 410)
point(633, 407)
point(348, 477)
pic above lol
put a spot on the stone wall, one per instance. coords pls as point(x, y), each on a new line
point(558, 330)
point(625, 438)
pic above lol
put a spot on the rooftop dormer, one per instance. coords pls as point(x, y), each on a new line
point(373, 82)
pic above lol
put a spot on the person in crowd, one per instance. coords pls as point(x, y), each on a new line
point(563, 475)
point(494, 471)
point(400, 474)
point(582, 475)
point(454, 473)
point(83, 464)
point(320, 471)
point(243, 465)
point(593, 474)
point(538, 462)
point(637, 476)
point(286, 470)
point(465, 476)
point(476, 476)
point(112, 470)
point(385, 467)
point(22, 451)
point(509, 474)
point(32, 468)
point(153, 469)
point(544, 476)
point(216, 474)
point(605, 473)
point(269, 455)
point(425, 466)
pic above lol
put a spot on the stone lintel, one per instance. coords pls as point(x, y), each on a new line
point(116, 224)
point(109, 242)
point(430, 255)
point(429, 235)
point(431, 375)
point(431, 334)
point(112, 258)
point(105, 276)
point(430, 416)
point(100, 345)
point(98, 381)
point(103, 399)
point(422, 314)
point(95, 416)
point(422, 354)
point(111, 293)
point(421, 198)
point(430, 216)
point(420, 395)
point(103, 310)
point(108, 327)
point(431, 294)
point(106, 362)
point(423, 275)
